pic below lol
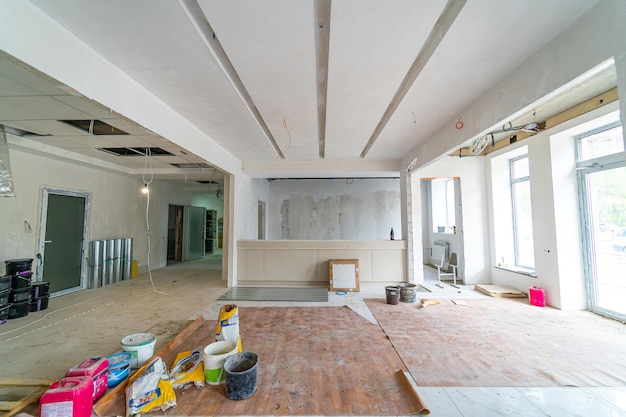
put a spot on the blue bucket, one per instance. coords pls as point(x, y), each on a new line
point(119, 368)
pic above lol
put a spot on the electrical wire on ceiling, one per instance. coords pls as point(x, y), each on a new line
point(288, 133)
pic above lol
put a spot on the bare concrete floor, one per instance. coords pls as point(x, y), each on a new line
point(92, 323)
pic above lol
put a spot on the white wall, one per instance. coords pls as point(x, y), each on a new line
point(473, 251)
point(209, 201)
point(334, 209)
point(555, 206)
point(118, 207)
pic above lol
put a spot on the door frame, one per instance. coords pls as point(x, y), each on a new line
point(43, 217)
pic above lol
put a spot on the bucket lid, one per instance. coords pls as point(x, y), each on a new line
point(138, 339)
point(119, 360)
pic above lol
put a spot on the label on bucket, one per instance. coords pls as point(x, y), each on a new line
point(214, 376)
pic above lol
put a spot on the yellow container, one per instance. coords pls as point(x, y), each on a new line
point(134, 271)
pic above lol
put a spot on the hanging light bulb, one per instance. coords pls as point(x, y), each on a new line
point(145, 189)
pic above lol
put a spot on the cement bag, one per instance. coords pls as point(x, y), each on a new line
point(188, 370)
point(149, 389)
point(228, 325)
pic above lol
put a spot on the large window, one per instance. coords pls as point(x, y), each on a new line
point(522, 212)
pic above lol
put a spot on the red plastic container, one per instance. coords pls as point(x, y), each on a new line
point(537, 297)
point(98, 370)
point(69, 397)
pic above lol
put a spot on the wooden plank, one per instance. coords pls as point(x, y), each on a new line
point(21, 382)
point(500, 291)
point(36, 388)
point(584, 107)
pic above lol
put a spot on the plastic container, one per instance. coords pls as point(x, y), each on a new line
point(408, 292)
point(96, 368)
point(140, 346)
point(19, 294)
point(393, 294)
point(4, 313)
point(537, 296)
point(21, 281)
point(40, 289)
point(214, 356)
point(69, 397)
point(4, 297)
point(241, 371)
point(5, 282)
point(119, 368)
point(14, 266)
point(20, 309)
point(38, 303)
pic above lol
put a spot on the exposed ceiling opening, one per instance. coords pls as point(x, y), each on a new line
point(19, 132)
point(192, 165)
point(136, 151)
point(95, 127)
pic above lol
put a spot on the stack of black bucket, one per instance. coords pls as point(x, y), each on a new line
point(19, 294)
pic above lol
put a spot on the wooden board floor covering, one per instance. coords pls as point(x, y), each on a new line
point(325, 361)
point(504, 342)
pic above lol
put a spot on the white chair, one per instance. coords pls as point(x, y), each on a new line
point(452, 264)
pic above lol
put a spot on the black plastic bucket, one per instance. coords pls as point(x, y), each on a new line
point(20, 309)
point(4, 297)
point(241, 370)
point(38, 303)
point(15, 266)
point(5, 282)
point(40, 289)
point(393, 294)
point(21, 281)
point(19, 294)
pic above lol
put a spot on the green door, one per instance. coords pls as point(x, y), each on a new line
point(63, 252)
point(195, 224)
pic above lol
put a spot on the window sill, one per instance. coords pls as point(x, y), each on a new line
point(517, 270)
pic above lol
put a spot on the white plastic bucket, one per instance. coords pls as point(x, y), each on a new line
point(140, 346)
point(214, 356)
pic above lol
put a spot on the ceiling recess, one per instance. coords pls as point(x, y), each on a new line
point(136, 151)
point(95, 127)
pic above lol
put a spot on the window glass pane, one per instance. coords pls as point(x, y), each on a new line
point(519, 168)
point(606, 142)
point(523, 225)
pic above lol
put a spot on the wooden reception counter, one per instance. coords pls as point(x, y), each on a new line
point(305, 262)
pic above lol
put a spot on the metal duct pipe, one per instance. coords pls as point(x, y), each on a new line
point(96, 264)
point(127, 258)
point(117, 260)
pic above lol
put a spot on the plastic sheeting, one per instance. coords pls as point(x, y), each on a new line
point(6, 180)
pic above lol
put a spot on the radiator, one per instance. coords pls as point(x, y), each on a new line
point(440, 248)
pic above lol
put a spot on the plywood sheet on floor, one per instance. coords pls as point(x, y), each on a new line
point(313, 361)
point(500, 291)
point(504, 342)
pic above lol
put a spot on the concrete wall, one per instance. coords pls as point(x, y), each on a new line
point(469, 242)
point(118, 208)
point(334, 209)
point(210, 201)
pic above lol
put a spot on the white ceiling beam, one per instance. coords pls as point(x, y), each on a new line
point(445, 21)
point(322, 47)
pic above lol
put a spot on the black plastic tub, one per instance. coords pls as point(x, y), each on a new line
point(38, 303)
point(21, 281)
point(40, 289)
point(4, 313)
point(4, 297)
point(5, 282)
point(20, 309)
point(13, 266)
point(20, 294)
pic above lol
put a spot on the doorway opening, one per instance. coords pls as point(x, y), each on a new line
point(601, 178)
point(62, 240)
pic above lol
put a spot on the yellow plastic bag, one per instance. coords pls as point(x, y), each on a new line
point(150, 389)
point(188, 369)
point(228, 325)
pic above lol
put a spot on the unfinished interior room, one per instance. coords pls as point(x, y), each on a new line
point(312, 208)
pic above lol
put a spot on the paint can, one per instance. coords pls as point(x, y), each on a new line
point(214, 356)
point(71, 397)
point(140, 346)
point(392, 293)
point(408, 292)
point(241, 371)
point(119, 368)
point(15, 266)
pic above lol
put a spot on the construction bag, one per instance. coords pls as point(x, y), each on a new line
point(149, 389)
point(188, 370)
point(228, 325)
